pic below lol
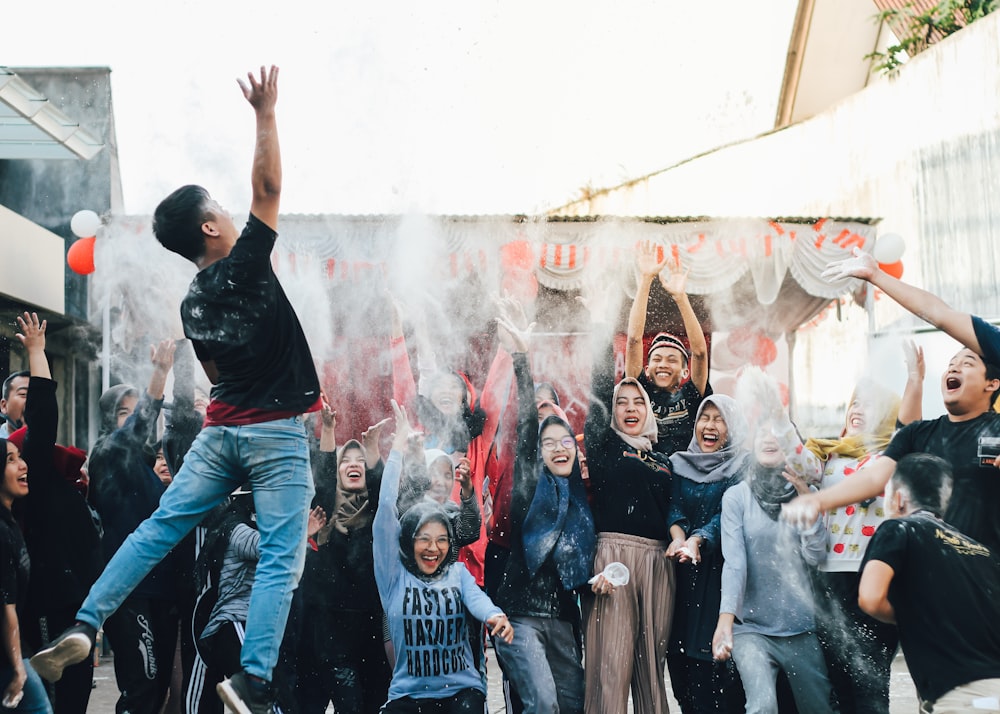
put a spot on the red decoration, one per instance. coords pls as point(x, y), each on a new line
point(519, 279)
point(850, 510)
point(868, 531)
point(838, 548)
point(80, 256)
point(893, 269)
point(785, 397)
point(752, 347)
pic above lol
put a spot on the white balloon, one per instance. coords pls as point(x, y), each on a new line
point(889, 248)
point(85, 223)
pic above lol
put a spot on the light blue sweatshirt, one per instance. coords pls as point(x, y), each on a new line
point(426, 618)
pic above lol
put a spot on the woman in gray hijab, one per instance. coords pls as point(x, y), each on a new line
point(714, 461)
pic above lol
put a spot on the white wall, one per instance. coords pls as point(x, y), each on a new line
point(918, 150)
point(34, 257)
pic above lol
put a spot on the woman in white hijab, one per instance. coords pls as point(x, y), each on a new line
point(627, 626)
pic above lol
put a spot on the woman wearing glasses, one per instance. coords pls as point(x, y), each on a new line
point(424, 597)
point(552, 548)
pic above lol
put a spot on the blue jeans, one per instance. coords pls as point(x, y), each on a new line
point(758, 659)
point(35, 700)
point(544, 664)
point(273, 457)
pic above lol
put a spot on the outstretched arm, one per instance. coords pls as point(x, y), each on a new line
point(649, 267)
point(265, 176)
point(925, 305)
point(867, 483)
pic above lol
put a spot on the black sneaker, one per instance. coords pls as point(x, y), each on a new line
point(242, 697)
point(71, 647)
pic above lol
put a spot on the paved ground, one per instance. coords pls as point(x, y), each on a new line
point(903, 699)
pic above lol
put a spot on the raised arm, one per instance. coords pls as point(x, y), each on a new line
point(515, 341)
point(469, 522)
point(404, 388)
point(676, 285)
point(32, 336)
point(911, 405)
point(328, 430)
point(41, 410)
point(649, 267)
point(385, 527)
point(265, 176)
point(925, 305)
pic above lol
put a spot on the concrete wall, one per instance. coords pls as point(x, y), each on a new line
point(918, 150)
point(49, 192)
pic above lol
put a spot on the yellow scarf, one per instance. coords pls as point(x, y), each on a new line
point(873, 442)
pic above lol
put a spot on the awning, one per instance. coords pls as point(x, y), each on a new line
point(31, 127)
point(34, 258)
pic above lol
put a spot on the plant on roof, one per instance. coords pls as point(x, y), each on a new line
point(918, 30)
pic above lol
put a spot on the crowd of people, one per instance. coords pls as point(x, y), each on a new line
point(259, 560)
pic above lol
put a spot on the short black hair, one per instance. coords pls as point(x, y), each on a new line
point(177, 221)
point(8, 384)
point(927, 480)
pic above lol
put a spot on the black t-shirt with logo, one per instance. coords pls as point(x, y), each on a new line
point(236, 314)
point(944, 592)
point(674, 412)
point(973, 508)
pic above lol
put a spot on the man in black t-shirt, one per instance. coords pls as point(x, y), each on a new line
point(252, 348)
point(969, 388)
point(939, 587)
point(675, 401)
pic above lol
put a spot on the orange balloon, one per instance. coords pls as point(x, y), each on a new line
point(80, 256)
point(893, 269)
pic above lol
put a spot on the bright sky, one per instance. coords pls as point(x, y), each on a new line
point(450, 106)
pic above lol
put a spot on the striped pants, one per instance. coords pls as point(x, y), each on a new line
point(627, 632)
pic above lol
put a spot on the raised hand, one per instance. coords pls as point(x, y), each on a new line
point(403, 428)
point(512, 338)
point(601, 300)
point(317, 519)
point(162, 355)
point(32, 334)
point(370, 436)
point(328, 413)
point(463, 474)
point(646, 260)
point(914, 356)
point(262, 93)
point(861, 265)
point(675, 281)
